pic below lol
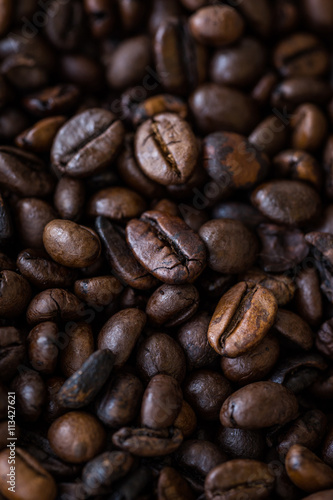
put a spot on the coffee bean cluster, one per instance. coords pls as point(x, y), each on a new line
point(166, 249)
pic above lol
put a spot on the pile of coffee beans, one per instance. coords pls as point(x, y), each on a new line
point(166, 249)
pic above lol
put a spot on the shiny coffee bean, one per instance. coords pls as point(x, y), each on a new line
point(32, 215)
point(293, 330)
point(39, 137)
point(171, 484)
point(69, 198)
point(52, 100)
point(116, 203)
point(148, 442)
point(15, 294)
point(98, 292)
point(30, 394)
point(307, 471)
point(77, 344)
point(43, 348)
point(241, 443)
point(54, 304)
point(282, 287)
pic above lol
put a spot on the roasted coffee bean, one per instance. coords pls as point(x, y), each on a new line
point(42, 272)
point(319, 15)
point(87, 143)
point(52, 409)
point(30, 394)
point(275, 201)
point(39, 137)
point(160, 353)
point(15, 294)
point(282, 287)
point(120, 257)
point(98, 292)
point(32, 215)
point(192, 337)
point(171, 305)
point(294, 91)
point(166, 247)
point(293, 330)
point(324, 339)
point(24, 173)
point(172, 485)
point(121, 332)
point(282, 247)
point(84, 71)
point(84, 436)
point(247, 214)
point(101, 14)
point(54, 304)
point(216, 25)
point(161, 402)
point(186, 420)
point(269, 136)
point(12, 351)
point(298, 165)
point(77, 345)
point(258, 405)
point(105, 469)
point(160, 11)
point(254, 365)
point(129, 62)
point(32, 480)
point(237, 478)
point(69, 198)
point(307, 471)
point(301, 54)
point(52, 100)
point(120, 402)
point(157, 104)
point(258, 15)
point(206, 391)
point(308, 430)
point(309, 127)
point(43, 349)
point(84, 385)
point(232, 247)
point(70, 244)
point(148, 442)
point(216, 107)
point(166, 149)
point(299, 371)
point(180, 60)
point(66, 29)
point(6, 263)
point(116, 203)
point(238, 65)
point(241, 443)
point(241, 319)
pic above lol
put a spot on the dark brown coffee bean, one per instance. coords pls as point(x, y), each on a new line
point(309, 127)
point(157, 104)
point(241, 319)
point(282, 287)
point(282, 248)
point(180, 60)
point(166, 149)
point(298, 165)
point(15, 293)
point(206, 391)
point(30, 392)
point(258, 405)
point(54, 304)
point(43, 349)
point(262, 91)
point(171, 305)
point(101, 14)
point(172, 485)
point(42, 272)
point(6, 263)
point(24, 173)
point(308, 299)
point(299, 371)
point(87, 143)
point(70, 244)
point(258, 15)
point(98, 292)
point(39, 137)
point(120, 334)
point(237, 478)
point(294, 91)
point(293, 330)
point(83, 71)
point(301, 54)
point(34, 481)
point(161, 11)
point(269, 136)
point(120, 257)
point(161, 402)
point(253, 365)
point(160, 353)
point(84, 385)
point(32, 215)
point(119, 404)
point(308, 430)
point(216, 108)
point(12, 351)
point(105, 469)
point(247, 214)
point(216, 25)
point(232, 247)
point(239, 65)
point(287, 202)
point(52, 409)
point(321, 495)
point(77, 345)
point(116, 203)
point(186, 420)
point(66, 29)
point(307, 471)
point(241, 443)
point(192, 337)
point(232, 161)
point(166, 247)
point(129, 62)
point(76, 437)
point(52, 100)
point(69, 198)
point(148, 442)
